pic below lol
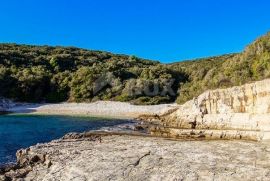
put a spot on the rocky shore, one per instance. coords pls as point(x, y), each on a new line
point(94, 156)
point(241, 112)
point(230, 121)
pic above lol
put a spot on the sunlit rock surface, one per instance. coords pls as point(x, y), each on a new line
point(241, 112)
point(145, 158)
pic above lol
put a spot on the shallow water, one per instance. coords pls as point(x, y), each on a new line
point(22, 131)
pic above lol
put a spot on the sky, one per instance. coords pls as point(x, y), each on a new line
point(163, 30)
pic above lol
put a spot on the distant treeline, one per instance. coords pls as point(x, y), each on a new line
point(56, 74)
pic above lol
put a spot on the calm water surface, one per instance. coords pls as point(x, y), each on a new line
point(22, 131)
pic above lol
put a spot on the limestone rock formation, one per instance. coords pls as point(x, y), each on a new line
point(241, 112)
point(133, 158)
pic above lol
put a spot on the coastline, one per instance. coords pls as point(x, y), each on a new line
point(107, 109)
point(125, 157)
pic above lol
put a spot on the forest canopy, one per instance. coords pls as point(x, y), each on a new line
point(57, 74)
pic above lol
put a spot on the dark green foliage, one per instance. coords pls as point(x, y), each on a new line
point(225, 71)
point(55, 74)
point(6, 82)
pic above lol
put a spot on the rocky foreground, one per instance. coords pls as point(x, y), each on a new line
point(126, 157)
point(222, 115)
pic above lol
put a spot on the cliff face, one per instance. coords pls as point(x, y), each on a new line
point(241, 112)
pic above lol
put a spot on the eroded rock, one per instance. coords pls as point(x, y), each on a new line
point(124, 157)
point(244, 109)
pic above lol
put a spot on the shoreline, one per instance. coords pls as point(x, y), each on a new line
point(103, 109)
point(127, 156)
point(122, 155)
point(70, 115)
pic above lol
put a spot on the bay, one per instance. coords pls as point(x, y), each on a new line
point(22, 131)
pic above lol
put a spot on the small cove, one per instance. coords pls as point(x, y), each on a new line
point(22, 131)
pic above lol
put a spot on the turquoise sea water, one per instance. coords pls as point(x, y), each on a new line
point(22, 131)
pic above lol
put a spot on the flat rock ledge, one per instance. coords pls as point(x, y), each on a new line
point(135, 157)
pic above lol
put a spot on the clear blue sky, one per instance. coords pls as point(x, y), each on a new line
point(165, 30)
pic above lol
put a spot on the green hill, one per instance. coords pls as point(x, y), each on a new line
point(55, 74)
point(225, 71)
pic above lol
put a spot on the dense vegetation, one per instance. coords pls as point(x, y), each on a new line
point(225, 71)
point(55, 74)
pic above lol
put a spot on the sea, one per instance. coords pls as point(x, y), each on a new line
point(19, 131)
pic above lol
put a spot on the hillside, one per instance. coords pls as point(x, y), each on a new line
point(225, 71)
point(55, 74)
